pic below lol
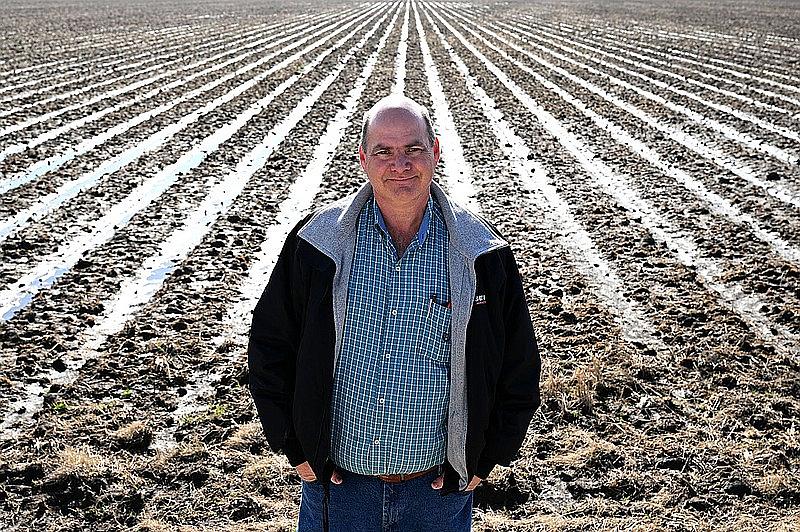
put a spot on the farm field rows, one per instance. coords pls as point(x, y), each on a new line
point(643, 161)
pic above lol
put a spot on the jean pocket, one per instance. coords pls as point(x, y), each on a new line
point(434, 335)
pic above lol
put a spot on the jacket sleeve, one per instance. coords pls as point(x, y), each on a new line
point(517, 393)
point(272, 351)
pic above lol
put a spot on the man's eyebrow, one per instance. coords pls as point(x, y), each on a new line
point(409, 145)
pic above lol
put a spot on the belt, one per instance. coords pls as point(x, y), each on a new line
point(402, 477)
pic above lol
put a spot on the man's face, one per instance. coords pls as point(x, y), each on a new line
point(399, 160)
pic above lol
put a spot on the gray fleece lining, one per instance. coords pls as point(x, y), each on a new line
point(332, 230)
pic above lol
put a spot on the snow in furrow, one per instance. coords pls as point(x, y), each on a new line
point(399, 85)
point(109, 66)
point(116, 92)
point(729, 52)
point(62, 64)
point(585, 256)
point(73, 187)
point(708, 271)
point(638, 51)
point(44, 274)
point(716, 155)
point(726, 130)
point(731, 68)
point(140, 287)
point(738, 67)
point(55, 161)
point(457, 170)
point(118, 65)
point(718, 204)
point(301, 197)
point(737, 51)
point(291, 211)
point(112, 67)
point(111, 94)
point(179, 57)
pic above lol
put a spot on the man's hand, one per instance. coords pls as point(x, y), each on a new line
point(307, 474)
point(438, 482)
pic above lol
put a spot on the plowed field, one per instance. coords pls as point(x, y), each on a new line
point(642, 158)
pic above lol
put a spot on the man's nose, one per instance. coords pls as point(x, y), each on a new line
point(401, 162)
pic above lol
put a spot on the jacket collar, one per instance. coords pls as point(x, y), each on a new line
point(332, 227)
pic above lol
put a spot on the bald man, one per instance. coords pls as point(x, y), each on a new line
point(392, 357)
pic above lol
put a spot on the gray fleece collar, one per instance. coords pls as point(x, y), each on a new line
point(333, 226)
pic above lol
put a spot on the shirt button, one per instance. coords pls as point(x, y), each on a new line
point(397, 268)
point(377, 442)
point(380, 400)
point(394, 312)
point(386, 355)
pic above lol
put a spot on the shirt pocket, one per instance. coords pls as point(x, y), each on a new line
point(434, 336)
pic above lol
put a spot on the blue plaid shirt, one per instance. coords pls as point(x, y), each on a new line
point(391, 385)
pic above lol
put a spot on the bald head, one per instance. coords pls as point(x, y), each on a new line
point(393, 104)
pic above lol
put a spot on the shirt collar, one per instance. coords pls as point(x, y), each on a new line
point(423, 226)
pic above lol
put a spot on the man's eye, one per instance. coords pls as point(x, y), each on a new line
point(381, 152)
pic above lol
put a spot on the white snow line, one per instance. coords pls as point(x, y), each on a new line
point(300, 199)
point(19, 126)
point(399, 85)
point(64, 63)
point(612, 34)
point(71, 188)
point(708, 271)
point(634, 325)
point(49, 269)
point(719, 205)
point(764, 68)
point(717, 156)
point(139, 288)
point(741, 115)
point(703, 62)
point(457, 170)
point(116, 66)
point(742, 50)
point(49, 77)
point(639, 51)
point(738, 51)
point(110, 94)
point(104, 83)
point(108, 65)
point(728, 131)
point(53, 162)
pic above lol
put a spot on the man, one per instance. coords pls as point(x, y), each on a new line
point(392, 354)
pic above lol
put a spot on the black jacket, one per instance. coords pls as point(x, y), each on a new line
point(291, 353)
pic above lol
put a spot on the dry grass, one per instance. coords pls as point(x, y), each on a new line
point(135, 436)
point(580, 448)
point(80, 462)
point(245, 436)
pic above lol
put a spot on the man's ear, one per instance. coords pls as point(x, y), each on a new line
point(436, 151)
point(362, 157)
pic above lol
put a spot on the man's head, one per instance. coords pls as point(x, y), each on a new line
point(398, 151)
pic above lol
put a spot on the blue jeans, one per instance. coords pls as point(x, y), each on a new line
point(368, 504)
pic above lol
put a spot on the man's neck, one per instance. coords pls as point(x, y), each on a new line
point(403, 221)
